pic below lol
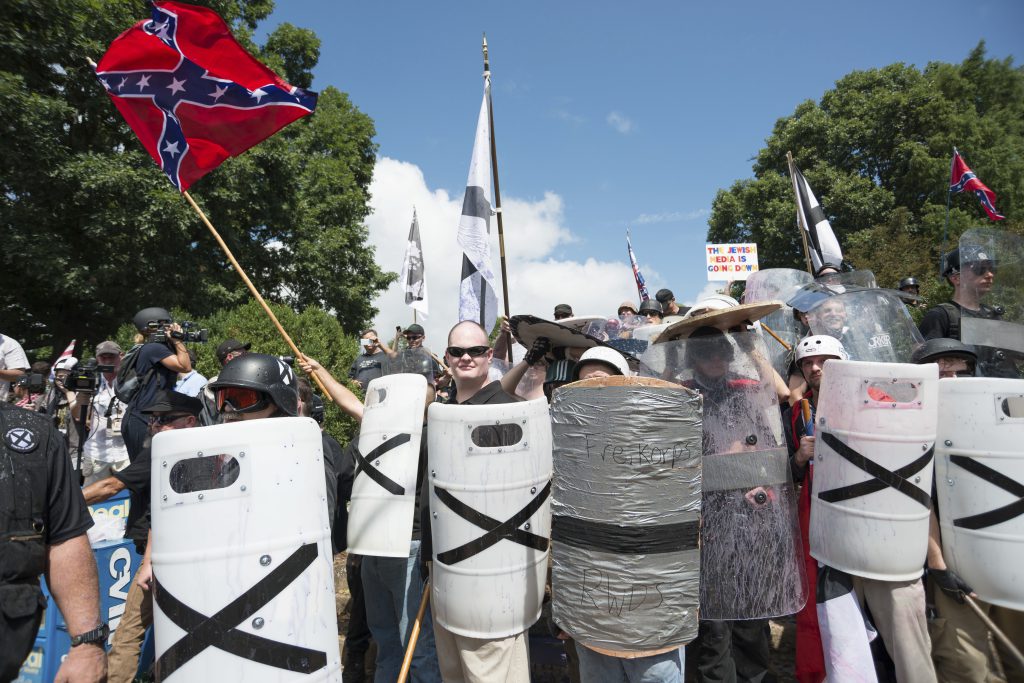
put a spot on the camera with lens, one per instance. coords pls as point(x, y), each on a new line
point(189, 333)
point(85, 378)
point(34, 382)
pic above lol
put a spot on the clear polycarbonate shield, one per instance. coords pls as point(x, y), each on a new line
point(751, 552)
point(851, 278)
point(626, 513)
point(992, 281)
point(418, 361)
point(781, 329)
point(873, 324)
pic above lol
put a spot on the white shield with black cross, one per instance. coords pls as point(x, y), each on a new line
point(489, 470)
point(384, 490)
point(873, 462)
point(979, 483)
point(242, 554)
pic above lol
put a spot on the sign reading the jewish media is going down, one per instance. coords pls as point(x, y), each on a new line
point(731, 261)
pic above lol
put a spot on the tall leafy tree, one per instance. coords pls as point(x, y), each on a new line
point(876, 149)
point(92, 231)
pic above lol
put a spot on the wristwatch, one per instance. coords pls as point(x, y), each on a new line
point(97, 635)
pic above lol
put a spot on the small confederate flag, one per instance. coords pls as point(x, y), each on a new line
point(962, 178)
point(192, 94)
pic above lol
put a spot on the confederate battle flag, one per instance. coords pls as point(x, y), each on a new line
point(962, 178)
point(192, 94)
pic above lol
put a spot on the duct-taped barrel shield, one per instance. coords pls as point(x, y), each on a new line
point(979, 483)
point(992, 270)
point(873, 465)
point(751, 552)
point(242, 554)
point(874, 325)
point(771, 285)
point(490, 507)
point(626, 513)
point(384, 490)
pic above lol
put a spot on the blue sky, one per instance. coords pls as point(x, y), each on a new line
point(607, 115)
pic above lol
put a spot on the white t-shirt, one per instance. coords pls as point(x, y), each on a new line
point(105, 443)
point(12, 357)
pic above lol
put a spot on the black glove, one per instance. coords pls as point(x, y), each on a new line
point(950, 583)
point(541, 345)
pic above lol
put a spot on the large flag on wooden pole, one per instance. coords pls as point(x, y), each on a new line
point(819, 240)
point(641, 284)
point(413, 275)
point(477, 297)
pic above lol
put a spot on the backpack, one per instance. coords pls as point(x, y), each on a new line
point(128, 384)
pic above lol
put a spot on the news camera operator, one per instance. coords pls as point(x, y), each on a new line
point(103, 447)
point(161, 356)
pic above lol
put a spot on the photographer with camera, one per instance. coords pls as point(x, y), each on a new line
point(151, 366)
point(59, 399)
point(103, 449)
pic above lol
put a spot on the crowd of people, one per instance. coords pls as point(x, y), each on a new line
point(73, 443)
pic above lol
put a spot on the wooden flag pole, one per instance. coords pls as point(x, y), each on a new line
point(252, 289)
point(415, 633)
point(775, 336)
point(991, 626)
point(497, 193)
point(804, 230)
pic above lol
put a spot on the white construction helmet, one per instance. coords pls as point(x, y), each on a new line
point(607, 356)
point(65, 363)
point(820, 345)
point(715, 302)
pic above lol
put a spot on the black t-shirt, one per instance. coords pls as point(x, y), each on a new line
point(136, 478)
point(164, 378)
point(367, 367)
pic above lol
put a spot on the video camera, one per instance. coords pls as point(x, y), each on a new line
point(85, 378)
point(34, 382)
point(162, 334)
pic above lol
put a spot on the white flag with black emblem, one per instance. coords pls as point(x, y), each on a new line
point(821, 240)
point(413, 277)
point(477, 298)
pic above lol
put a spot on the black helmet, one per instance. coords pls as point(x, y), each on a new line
point(261, 372)
point(651, 306)
point(909, 282)
point(153, 314)
point(943, 347)
point(951, 262)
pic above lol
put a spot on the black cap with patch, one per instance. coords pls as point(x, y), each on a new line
point(229, 345)
point(174, 402)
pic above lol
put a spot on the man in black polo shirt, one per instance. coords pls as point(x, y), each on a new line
point(369, 365)
point(170, 410)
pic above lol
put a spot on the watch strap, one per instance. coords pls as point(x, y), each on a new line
point(98, 634)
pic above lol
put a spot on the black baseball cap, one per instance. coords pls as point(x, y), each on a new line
point(174, 402)
point(414, 329)
point(664, 296)
point(229, 345)
point(563, 309)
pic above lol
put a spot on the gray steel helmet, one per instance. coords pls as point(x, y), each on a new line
point(909, 282)
point(651, 306)
point(943, 347)
point(261, 372)
point(153, 314)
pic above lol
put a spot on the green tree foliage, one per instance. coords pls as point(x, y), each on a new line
point(316, 333)
point(876, 150)
point(93, 231)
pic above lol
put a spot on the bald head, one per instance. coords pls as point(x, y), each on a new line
point(469, 332)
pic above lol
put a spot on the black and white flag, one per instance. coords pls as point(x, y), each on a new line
point(821, 241)
point(477, 298)
point(413, 280)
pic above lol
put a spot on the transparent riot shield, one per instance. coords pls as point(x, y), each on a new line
point(618, 334)
point(852, 278)
point(873, 324)
point(626, 513)
point(751, 552)
point(992, 282)
point(781, 327)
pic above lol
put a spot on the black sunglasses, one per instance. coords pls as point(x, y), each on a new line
point(982, 267)
point(472, 351)
point(167, 419)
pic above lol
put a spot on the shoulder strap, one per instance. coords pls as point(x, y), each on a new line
point(953, 316)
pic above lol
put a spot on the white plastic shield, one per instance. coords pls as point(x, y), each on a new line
point(873, 465)
point(384, 490)
point(979, 483)
point(242, 554)
point(490, 508)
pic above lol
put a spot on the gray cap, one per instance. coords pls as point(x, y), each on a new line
point(108, 347)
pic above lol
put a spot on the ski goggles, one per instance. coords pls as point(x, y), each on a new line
point(241, 400)
point(472, 351)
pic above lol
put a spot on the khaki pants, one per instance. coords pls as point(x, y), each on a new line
point(481, 660)
point(898, 611)
point(123, 659)
point(960, 641)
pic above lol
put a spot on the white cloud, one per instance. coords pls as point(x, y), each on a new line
point(670, 216)
point(620, 122)
point(534, 229)
point(713, 287)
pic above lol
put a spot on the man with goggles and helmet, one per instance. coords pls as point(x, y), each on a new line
point(256, 386)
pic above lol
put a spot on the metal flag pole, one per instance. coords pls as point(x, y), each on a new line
point(945, 229)
point(497, 191)
point(253, 290)
point(804, 230)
